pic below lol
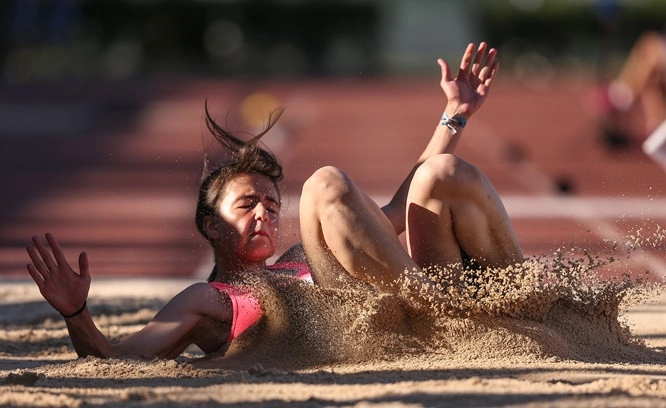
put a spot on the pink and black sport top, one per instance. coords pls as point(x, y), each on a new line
point(245, 307)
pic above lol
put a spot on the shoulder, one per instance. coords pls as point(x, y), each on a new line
point(200, 289)
point(204, 299)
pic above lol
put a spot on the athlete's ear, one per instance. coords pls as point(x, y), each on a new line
point(212, 227)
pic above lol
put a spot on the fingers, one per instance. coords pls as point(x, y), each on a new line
point(492, 54)
point(37, 266)
point(490, 69)
point(45, 254)
point(478, 61)
point(446, 70)
point(473, 62)
point(36, 276)
point(57, 251)
point(467, 58)
point(42, 256)
point(491, 73)
point(83, 266)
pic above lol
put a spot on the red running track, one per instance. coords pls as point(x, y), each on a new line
point(114, 168)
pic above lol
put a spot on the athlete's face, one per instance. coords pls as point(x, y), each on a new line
point(249, 217)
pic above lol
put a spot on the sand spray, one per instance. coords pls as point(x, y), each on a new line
point(566, 305)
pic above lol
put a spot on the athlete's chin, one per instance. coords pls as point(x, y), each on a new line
point(261, 254)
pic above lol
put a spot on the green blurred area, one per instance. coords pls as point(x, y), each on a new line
point(46, 40)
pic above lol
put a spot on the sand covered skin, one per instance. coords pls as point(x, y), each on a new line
point(555, 331)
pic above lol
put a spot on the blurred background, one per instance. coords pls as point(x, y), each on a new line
point(103, 144)
point(55, 40)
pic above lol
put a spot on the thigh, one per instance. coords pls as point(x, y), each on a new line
point(453, 206)
point(347, 238)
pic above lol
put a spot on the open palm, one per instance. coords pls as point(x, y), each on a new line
point(64, 289)
point(468, 89)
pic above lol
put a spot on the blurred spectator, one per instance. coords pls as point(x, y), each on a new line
point(633, 104)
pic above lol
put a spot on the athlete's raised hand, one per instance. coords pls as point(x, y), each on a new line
point(467, 91)
point(64, 288)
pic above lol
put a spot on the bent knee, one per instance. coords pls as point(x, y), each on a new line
point(326, 183)
point(449, 170)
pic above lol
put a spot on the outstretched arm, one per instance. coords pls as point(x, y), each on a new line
point(465, 93)
point(184, 320)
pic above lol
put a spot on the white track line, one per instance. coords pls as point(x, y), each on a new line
point(575, 207)
point(595, 213)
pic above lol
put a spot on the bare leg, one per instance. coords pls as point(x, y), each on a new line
point(452, 205)
point(653, 102)
point(642, 79)
point(646, 59)
point(346, 236)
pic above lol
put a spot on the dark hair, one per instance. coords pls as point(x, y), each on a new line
point(246, 157)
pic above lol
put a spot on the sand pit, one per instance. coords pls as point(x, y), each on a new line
point(545, 342)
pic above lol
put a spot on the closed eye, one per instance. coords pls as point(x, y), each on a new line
point(272, 209)
point(270, 204)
